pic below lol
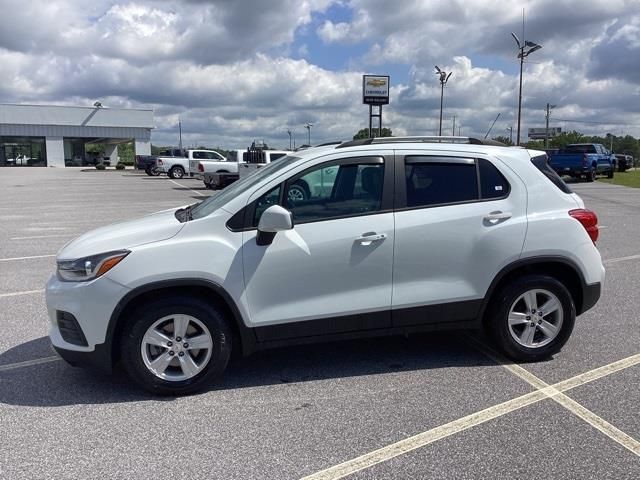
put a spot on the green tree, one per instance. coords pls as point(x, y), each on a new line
point(503, 139)
point(364, 133)
point(567, 138)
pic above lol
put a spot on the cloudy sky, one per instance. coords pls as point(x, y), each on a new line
point(238, 70)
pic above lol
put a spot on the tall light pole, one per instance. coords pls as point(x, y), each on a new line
point(524, 50)
point(308, 127)
point(510, 129)
point(444, 78)
point(289, 132)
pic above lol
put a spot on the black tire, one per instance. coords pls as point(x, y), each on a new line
point(300, 192)
point(497, 323)
point(610, 173)
point(148, 171)
point(591, 176)
point(176, 172)
point(146, 315)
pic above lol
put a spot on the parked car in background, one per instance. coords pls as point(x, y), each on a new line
point(178, 166)
point(624, 162)
point(415, 234)
point(209, 162)
point(148, 164)
point(252, 160)
point(583, 160)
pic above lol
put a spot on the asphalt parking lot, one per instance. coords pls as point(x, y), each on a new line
point(436, 406)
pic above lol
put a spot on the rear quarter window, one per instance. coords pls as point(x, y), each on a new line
point(541, 162)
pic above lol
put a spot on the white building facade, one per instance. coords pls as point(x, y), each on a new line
point(56, 136)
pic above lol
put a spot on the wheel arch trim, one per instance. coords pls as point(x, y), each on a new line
point(532, 262)
point(246, 334)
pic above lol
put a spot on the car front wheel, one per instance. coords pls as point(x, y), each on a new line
point(531, 318)
point(176, 346)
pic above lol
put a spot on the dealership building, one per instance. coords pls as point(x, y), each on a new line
point(56, 136)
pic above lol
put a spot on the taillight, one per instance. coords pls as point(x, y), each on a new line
point(158, 162)
point(200, 167)
point(585, 162)
point(589, 221)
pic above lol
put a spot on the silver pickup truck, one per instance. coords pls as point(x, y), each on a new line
point(246, 162)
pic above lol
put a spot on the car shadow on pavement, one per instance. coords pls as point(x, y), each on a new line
point(57, 384)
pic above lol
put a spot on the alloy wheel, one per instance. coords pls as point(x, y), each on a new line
point(176, 347)
point(535, 318)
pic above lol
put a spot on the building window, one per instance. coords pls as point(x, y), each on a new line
point(22, 152)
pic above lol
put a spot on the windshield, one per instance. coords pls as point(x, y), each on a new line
point(214, 202)
point(579, 149)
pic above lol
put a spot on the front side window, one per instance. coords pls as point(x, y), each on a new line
point(265, 201)
point(214, 202)
point(440, 182)
point(337, 190)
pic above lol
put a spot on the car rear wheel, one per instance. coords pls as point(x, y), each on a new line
point(176, 172)
point(176, 346)
point(591, 176)
point(531, 318)
point(610, 173)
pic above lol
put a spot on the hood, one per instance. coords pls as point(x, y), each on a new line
point(123, 235)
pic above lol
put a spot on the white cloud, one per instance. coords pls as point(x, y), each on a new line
point(224, 66)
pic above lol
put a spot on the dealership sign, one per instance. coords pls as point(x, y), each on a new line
point(541, 133)
point(375, 89)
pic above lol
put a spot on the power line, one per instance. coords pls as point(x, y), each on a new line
point(595, 123)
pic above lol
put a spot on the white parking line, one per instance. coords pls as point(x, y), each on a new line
point(183, 186)
point(430, 436)
point(15, 294)
point(620, 259)
point(28, 363)
point(26, 258)
point(553, 392)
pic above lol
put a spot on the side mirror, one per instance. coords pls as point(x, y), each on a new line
point(273, 220)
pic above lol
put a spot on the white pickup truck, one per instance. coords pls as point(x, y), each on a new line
point(245, 163)
point(199, 167)
point(178, 166)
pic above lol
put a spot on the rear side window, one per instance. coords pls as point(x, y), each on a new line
point(492, 183)
point(542, 163)
point(435, 183)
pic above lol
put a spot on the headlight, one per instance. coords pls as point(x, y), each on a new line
point(88, 268)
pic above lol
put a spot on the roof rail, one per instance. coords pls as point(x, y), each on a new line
point(422, 139)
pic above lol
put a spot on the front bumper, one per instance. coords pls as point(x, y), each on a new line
point(91, 304)
point(100, 359)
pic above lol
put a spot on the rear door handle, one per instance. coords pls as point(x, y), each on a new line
point(496, 217)
point(369, 238)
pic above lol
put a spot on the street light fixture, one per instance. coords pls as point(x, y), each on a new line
point(524, 50)
point(444, 78)
point(308, 127)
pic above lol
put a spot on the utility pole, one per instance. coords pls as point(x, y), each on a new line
point(289, 132)
point(524, 50)
point(180, 132)
point(308, 127)
point(453, 131)
point(510, 134)
point(444, 78)
point(546, 131)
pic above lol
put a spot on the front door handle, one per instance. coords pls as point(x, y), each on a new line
point(496, 217)
point(369, 238)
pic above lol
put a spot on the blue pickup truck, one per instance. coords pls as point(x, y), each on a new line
point(583, 160)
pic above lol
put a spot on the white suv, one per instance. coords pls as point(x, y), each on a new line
point(413, 234)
